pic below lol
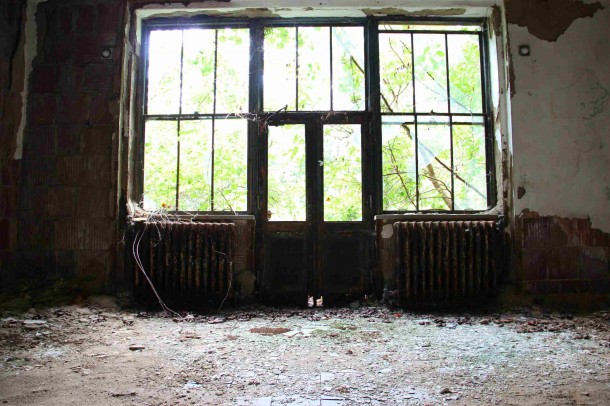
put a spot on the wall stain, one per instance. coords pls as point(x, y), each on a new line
point(495, 21)
point(520, 192)
point(511, 69)
point(598, 104)
point(548, 19)
point(425, 12)
point(586, 98)
point(247, 12)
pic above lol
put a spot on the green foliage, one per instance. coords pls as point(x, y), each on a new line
point(213, 162)
point(286, 173)
point(434, 152)
point(342, 173)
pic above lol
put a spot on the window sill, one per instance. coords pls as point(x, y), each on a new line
point(438, 217)
point(197, 218)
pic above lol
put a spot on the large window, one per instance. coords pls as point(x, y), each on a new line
point(433, 118)
point(195, 151)
point(211, 87)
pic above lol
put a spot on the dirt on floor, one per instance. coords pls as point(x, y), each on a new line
point(97, 354)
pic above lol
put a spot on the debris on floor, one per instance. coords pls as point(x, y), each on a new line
point(97, 354)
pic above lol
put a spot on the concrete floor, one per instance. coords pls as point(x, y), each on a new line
point(96, 354)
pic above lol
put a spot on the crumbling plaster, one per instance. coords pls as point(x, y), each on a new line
point(560, 119)
point(29, 50)
point(308, 8)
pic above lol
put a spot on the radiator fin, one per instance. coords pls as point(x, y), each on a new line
point(188, 263)
point(446, 261)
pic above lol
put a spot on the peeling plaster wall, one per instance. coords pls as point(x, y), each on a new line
point(73, 159)
point(11, 86)
point(66, 216)
point(561, 109)
point(309, 8)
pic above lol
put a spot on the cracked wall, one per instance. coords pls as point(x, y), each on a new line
point(68, 219)
point(12, 17)
point(560, 120)
point(561, 116)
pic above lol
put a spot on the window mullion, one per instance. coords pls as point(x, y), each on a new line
point(372, 95)
point(255, 107)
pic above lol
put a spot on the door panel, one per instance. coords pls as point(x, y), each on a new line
point(345, 269)
point(317, 231)
point(287, 232)
point(286, 261)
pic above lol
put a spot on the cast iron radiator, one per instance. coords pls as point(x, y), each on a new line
point(447, 261)
point(187, 262)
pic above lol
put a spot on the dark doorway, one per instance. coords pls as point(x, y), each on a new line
point(317, 225)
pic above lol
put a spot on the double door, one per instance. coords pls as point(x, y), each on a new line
point(315, 240)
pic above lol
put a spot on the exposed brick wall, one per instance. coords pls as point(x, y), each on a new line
point(11, 12)
point(563, 256)
point(68, 215)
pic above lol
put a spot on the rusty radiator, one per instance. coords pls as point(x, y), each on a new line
point(188, 263)
point(447, 261)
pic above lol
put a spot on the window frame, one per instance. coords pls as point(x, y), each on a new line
point(372, 93)
point(486, 107)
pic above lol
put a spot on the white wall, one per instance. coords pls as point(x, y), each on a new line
point(561, 120)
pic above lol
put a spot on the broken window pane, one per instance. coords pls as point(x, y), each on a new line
point(465, 74)
point(195, 165)
point(314, 69)
point(160, 165)
point(286, 173)
point(396, 73)
point(434, 166)
point(279, 78)
point(430, 73)
point(348, 68)
point(342, 173)
point(163, 95)
point(231, 165)
point(398, 164)
point(470, 167)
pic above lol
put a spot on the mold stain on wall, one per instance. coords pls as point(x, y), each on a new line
point(425, 12)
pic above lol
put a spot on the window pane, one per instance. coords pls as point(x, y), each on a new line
point(398, 160)
point(160, 164)
point(342, 173)
point(233, 71)
point(195, 165)
point(314, 68)
point(198, 72)
point(231, 165)
point(465, 74)
point(434, 163)
point(395, 70)
point(430, 73)
point(469, 159)
point(279, 78)
point(348, 68)
point(163, 95)
point(286, 173)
